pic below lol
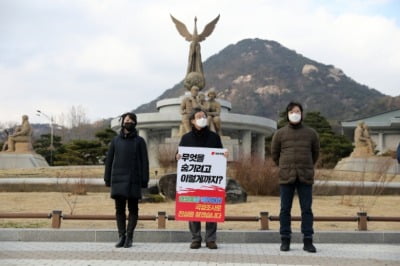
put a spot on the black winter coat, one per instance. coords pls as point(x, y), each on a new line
point(127, 166)
point(204, 138)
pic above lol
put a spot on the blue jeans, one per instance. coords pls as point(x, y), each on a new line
point(304, 192)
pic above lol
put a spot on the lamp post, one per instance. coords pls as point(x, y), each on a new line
point(51, 147)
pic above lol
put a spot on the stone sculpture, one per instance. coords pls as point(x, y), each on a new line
point(364, 145)
point(201, 100)
point(213, 112)
point(194, 79)
point(187, 105)
point(194, 63)
point(23, 135)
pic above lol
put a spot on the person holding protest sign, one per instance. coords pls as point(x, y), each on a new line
point(201, 136)
point(295, 150)
point(127, 172)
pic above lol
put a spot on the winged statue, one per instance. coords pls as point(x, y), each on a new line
point(195, 64)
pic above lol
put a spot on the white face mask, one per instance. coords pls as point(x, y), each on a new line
point(294, 117)
point(202, 122)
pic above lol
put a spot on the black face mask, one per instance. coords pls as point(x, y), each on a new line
point(129, 126)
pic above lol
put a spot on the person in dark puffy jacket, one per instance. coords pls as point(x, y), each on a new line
point(295, 150)
point(201, 136)
point(127, 172)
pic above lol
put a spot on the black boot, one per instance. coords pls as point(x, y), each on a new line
point(121, 225)
point(132, 221)
point(128, 241)
point(285, 244)
point(121, 241)
point(308, 245)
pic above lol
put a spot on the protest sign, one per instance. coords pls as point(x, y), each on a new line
point(200, 185)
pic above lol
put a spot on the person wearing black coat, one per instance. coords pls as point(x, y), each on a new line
point(398, 153)
point(127, 172)
point(201, 136)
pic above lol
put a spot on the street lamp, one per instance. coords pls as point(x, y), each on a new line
point(51, 147)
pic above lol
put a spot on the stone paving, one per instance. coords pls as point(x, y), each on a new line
point(95, 253)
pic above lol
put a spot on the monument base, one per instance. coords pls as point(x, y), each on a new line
point(11, 160)
point(372, 164)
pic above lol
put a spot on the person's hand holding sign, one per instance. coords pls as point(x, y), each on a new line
point(226, 154)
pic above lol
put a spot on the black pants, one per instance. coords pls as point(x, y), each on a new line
point(120, 208)
point(304, 191)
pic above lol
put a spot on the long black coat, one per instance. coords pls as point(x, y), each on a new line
point(127, 166)
point(204, 138)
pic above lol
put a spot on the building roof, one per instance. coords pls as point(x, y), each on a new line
point(390, 119)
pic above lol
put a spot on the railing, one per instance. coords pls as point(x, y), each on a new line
point(56, 217)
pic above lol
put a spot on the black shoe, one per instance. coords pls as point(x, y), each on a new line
point(121, 241)
point(128, 241)
point(285, 244)
point(195, 245)
point(308, 245)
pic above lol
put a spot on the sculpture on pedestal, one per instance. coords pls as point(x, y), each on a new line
point(18, 152)
point(194, 79)
point(22, 134)
point(364, 145)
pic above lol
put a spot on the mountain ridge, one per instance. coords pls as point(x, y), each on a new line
point(259, 77)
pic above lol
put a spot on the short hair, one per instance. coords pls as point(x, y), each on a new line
point(131, 116)
point(290, 107)
point(194, 112)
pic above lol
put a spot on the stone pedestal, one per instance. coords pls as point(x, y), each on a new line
point(12, 160)
point(374, 164)
point(23, 147)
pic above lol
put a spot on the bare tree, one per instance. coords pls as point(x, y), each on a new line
point(77, 116)
point(77, 123)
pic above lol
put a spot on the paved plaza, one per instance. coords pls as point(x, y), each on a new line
point(97, 253)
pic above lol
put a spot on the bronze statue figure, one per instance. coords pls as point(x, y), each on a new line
point(194, 62)
point(214, 111)
point(202, 102)
point(187, 105)
point(194, 80)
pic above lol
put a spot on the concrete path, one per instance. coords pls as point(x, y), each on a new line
point(95, 253)
point(171, 247)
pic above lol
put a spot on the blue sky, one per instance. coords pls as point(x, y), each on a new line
point(108, 57)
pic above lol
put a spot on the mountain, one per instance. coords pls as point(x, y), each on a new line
point(259, 77)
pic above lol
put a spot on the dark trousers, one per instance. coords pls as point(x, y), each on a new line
point(120, 214)
point(304, 192)
point(211, 231)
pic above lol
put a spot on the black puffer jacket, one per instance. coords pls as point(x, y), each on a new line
point(204, 138)
point(127, 166)
point(295, 149)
